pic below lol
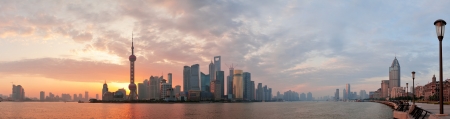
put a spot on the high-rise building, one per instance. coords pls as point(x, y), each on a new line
point(177, 89)
point(247, 78)
point(265, 93)
point(166, 89)
point(216, 89)
point(344, 94)
point(42, 96)
point(217, 60)
point(238, 85)
point(362, 94)
point(384, 88)
point(220, 75)
point(205, 82)
point(186, 78)
point(155, 87)
point(96, 96)
point(309, 96)
point(86, 96)
point(105, 89)
point(252, 90)
point(394, 74)
point(18, 93)
point(132, 86)
point(259, 92)
point(303, 97)
point(212, 71)
point(142, 91)
point(169, 78)
point(194, 80)
point(230, 81)
point(348, 93)
point(269, 93)
point(336, 95)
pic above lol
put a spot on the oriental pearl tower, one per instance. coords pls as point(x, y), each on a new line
point(133, 94)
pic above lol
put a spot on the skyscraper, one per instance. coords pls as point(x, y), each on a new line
point(141, 91)
point(252, 90)
point(133, 93)
point(169, 77)
point(217, 60)
point(212, 71)
point(18, 93)
point(247, 78)
point(186, 77)
point(303, 97)
point(220, 75)
point(230, 81)
point(344, 94)
point(105, 89)
point(348, 93)
point(155, 87)
point(205, 82)
point(259, 92)
point(42, 96)
point(394, 74)
point(309, 96)
point(384, 88)
point(194, 81)
point(86, 96)
point(238, 85)
point(336, 95)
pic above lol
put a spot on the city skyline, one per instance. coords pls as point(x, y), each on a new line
point(72, 47)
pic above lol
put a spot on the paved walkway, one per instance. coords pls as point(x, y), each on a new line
point(434, 108)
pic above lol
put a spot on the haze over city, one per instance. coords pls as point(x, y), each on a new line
point(304, 46)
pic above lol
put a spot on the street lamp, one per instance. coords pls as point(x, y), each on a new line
point(413, 76)
point(440, 29)
point(407, 96)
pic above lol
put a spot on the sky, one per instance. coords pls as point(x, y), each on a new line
point(304, 46)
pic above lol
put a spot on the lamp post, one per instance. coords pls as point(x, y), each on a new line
point(440, 29)
point(413, 76)
point(407, 96)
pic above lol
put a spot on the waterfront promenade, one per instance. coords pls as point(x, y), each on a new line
point(434, 108)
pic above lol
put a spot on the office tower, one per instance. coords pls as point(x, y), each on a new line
point(194, 80)
point(18, 93)
point(220, 75)
point(238, 85)
point(309, 96)
point(155, 87)
point(42, 96)
point(165, 88)
point(247, 78)
point(212, 71)
point(217, 60)
point(186, 78)
point(80, 96)
point(265, 93)
point(259, 92)
point(133, 93)
point(230, 81)
point(348, 93)
point(269, 93)
point(105, 88)
point(96, 96)
point(146, 83)
point(384, 88)
point(336, 95)
point(362, 94)
point(394, 74)
point(86, 96)
point(252, 90)
point(303, 97)
point(75, 98)
point(169, 78)
point(142, 91)
point(216, 89)
point(205, 82)
point(177, 89)
point(344, 94)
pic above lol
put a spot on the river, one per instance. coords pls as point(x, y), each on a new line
point(257, 110)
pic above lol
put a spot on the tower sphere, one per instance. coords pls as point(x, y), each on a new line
point(132, 58)
point(132, 86)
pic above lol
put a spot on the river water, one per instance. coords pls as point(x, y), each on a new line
point(257, 110)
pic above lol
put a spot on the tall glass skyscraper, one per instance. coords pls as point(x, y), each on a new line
point(247, 78)
point(186, 77)
point(238, 85)
point(205, 82)
point(220, 75)
point(194, 81)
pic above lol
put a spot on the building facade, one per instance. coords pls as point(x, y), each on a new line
point(238, 85)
